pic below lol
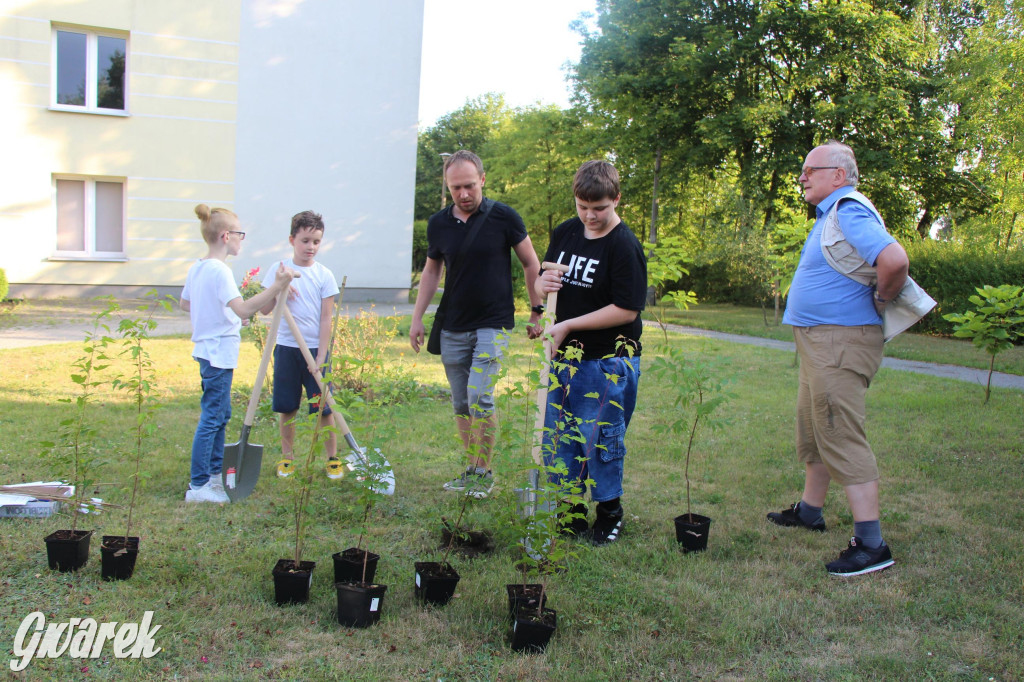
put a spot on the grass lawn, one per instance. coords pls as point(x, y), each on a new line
point(751, 321)
point(756, 605)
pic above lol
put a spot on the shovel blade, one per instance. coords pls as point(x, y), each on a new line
point(246, 459)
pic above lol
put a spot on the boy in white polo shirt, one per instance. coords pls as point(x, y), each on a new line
point(312, 305)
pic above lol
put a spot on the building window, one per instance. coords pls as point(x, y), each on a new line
point(89, 71)
point(90, 218)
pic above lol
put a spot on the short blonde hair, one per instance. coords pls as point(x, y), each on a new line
point(212, 222)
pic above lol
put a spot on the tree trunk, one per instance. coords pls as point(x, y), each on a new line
point(653, 233)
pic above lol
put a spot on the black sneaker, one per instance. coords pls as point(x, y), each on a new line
point(607, 526)
point(858, 560)
point(458, 484)
point(576, 527)
point(791, 518)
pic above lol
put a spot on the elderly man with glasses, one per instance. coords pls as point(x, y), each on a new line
point(837, 323)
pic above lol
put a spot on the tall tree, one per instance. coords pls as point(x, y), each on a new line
point(754, 84)
point(989, 91)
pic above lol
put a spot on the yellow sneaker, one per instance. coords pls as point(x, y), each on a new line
point(335, 468)
point(285, 468)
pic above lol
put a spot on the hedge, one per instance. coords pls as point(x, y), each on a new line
point(951, 272)
point(948, 271)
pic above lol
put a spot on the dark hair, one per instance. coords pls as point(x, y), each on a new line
point(307, 220)
point(464, 155)
point(596, 180)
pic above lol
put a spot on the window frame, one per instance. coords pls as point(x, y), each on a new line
point(92, 36)
point(89, 219)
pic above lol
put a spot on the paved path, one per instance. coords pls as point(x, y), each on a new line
point(974, 376)
point(67, 320)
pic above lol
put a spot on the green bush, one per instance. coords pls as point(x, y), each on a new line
point(951, 272)
point(419, 245)
point(738, 272)
point(4, 286)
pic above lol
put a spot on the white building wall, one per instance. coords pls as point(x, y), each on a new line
point(328, 99)
point(265, 108)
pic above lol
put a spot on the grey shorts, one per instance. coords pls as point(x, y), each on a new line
point(471, 362)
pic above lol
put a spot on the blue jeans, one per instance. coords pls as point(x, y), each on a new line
point(600, 421)
point(215, 411)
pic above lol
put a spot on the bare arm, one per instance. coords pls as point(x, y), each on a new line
point(609, 316)
point(891, 266)
point(185, 304)
point(531, 270)
point(429, 281)
point(326, 315)
point(246, 308)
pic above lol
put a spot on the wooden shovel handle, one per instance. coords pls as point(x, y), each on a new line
point(311, 361)
point(268, 349)
point(550, 309)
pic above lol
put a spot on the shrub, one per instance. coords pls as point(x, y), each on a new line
point(951, 272)
point(4, 285)
point(419, 245)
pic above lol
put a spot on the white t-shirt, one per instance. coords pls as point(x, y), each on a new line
point(215, 327)
point(316, 283)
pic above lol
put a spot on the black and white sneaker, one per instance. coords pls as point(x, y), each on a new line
point(791, 519)
point(858, 560)
point(607, 526)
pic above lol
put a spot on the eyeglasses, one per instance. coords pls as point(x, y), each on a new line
point(809, 170)
point(241, 235)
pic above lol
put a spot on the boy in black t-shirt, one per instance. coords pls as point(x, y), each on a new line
point(599, 304)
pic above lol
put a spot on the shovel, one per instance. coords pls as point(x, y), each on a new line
point(528, 496)
point(245, 457)
point(385, 485)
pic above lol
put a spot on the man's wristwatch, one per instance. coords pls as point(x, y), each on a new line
point(879, 299)
point(538, 309)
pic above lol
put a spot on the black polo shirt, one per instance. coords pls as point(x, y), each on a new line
point(479, 288)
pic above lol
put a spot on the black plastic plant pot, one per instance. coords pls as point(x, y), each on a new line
point(532, 634)
point(692, 532)
point(348, 566)
point(435, 582)
point(67, 550)
point(117, 557)
point(359, 605)
point(291, 586)
point(523, 597)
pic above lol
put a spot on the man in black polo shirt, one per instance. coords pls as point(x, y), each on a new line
point(480, 307)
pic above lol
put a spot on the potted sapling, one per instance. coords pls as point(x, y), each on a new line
point(293, 576)
point(74, 451)
point(360, 600)
point(436, 581)
point(698, 394)
point(118, 553)
point(546, 550)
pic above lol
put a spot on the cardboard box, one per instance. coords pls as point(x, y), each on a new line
point(34, 509)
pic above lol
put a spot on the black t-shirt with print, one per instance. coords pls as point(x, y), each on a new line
point(610, 269)
point(479, 289)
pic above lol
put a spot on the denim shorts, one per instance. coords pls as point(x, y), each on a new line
point(291, 374)
point(574, 414)
point(471, 362)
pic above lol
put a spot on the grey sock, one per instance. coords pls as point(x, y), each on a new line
point(869, 532)
point(808, 514)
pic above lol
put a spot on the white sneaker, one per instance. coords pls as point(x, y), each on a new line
point(205, 494)
point(217, 487)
